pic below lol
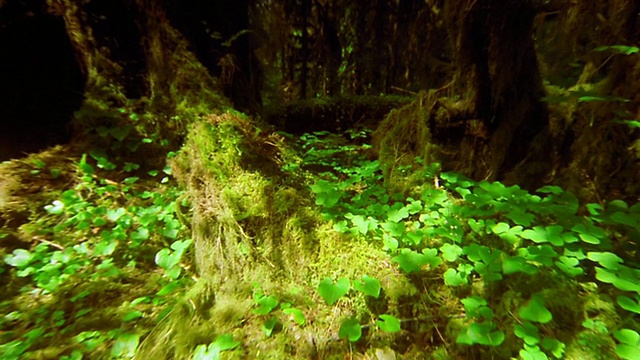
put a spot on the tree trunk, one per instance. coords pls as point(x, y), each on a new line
point(498, 70)
point(304, 51)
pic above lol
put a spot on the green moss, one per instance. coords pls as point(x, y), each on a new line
point(591, 345)
point(404, 145)
point(567, 307)
point(247, 196)
point(602, 308)
point(250, 229)
point(440, 353)
point(286, 199)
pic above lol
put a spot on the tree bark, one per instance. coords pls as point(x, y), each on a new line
point(304, 51)
point(499, 76)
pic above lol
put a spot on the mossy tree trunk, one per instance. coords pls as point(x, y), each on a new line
point(499, 79)
point(144, 51)
point(331, 46)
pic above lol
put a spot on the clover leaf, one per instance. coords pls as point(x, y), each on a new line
point(608, 260)
point(625, 279)
point(518, 264)
point(265, 304)
point(19, 258)
point(326, 194)
point(532, 353)
point(388, 323)
point(331, 292)
point(296, 314)
point(368, 285)
point(629, 304)
point(555, 346)
point(125, 345)
point(397, 215)
point(56, 209)
point(412, 261)
point(569, 265)
point(481, 333)
point(454, 278)
point(450, 252)
point(538, 234)
point(527, 332)
point(629, 347)
point(269, 325)
point(350, 329)
point(535, 310)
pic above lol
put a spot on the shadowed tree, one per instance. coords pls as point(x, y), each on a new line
point(498, 75)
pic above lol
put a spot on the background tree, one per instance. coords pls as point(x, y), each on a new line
point(497, 71)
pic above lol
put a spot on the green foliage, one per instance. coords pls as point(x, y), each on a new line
point(532, 353)
point(350, 329)
point(462, 229)
point(169, 258)
point(269, 326)
point(527, 332)
point(483, 333)
point(214, 350)
point(332, 292)
point(483, 330)
point(629, 344)
point(94, 207)
point(629, 304)
point(388, 323)
point(98, 231)
point(554, 346)
point(411, 261)
point(264, 303)
point(296, 314)
point(535, 311)
point(125, 345)
point(455, 278)
point(476, 238)
point(630, 123)
point(583, 96)
point(267, 305)
point(368, 285)
point(619, 49)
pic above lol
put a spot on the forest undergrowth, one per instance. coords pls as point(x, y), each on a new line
point(250, 244)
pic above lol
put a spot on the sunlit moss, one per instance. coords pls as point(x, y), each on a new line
point(401, 138)
point(249, 231)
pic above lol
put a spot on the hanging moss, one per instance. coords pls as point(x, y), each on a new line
point(403, 140)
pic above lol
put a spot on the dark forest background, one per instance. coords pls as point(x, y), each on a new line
point(493, 67)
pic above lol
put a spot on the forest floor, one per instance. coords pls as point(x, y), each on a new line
point(100, 255)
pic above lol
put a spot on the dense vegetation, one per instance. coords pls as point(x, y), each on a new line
point(459, 265)
point(244, 182)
